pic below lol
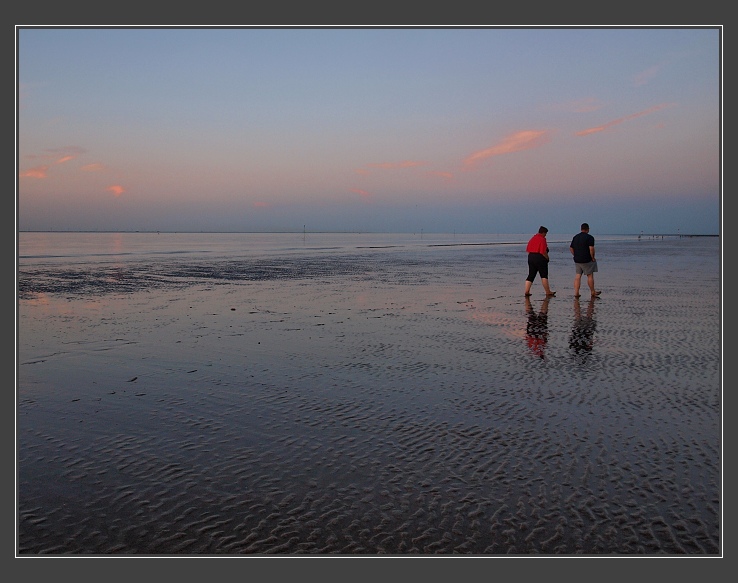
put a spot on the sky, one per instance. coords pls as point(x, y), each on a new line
point(356, 129)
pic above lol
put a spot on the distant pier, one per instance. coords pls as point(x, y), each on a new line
point(670, 235)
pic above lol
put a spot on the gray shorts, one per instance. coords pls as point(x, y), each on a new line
point(586, 268)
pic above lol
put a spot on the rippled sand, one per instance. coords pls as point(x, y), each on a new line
point(387, 403)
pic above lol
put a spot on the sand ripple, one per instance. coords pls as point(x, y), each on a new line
point(367, 412)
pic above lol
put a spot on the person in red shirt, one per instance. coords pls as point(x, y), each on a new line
point(537, 249)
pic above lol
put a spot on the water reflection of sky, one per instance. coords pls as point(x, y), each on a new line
point(35, 247)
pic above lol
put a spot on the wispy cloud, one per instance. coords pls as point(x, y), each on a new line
point(620, 120)
point(94, 167)
point(519, 141)
point(360, 192)
point(56, 156)
point(37, 172)
point(52, 157)
point(645, 76)
point(260, 204)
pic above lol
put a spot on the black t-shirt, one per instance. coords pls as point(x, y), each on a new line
point(581, 244)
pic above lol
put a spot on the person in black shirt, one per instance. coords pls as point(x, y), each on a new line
point(583, 250)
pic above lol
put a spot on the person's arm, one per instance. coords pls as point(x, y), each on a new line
point(572, 250)
point(592, 252)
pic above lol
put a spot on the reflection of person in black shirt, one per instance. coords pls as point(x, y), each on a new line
point(581, 340)
point(536, 331)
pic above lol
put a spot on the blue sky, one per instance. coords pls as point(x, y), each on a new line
point(471, 130)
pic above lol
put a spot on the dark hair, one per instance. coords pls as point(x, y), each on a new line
point(585, 227)
point(542, 230)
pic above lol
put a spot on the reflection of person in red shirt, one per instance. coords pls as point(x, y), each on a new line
point(537, 249)
point(536, 331)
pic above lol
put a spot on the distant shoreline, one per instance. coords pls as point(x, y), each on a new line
point(642, 235)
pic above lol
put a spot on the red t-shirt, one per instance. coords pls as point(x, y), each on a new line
point(537, 346)
point(537, 244)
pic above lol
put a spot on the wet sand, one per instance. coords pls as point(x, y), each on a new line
point(387, 403)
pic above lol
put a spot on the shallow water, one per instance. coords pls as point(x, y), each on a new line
point(377, 397)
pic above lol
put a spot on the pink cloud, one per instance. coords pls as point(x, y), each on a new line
point(117, 190)
point(53, 156)
point(620, 120)
point(596, 129)
point(95, 167)
point(360, 192)
point(37, 172)
point(59, 155)
point(261, 204)
point(519, 141)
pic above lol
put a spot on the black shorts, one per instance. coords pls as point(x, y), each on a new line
point(537, 264)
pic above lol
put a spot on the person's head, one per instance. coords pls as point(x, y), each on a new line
point(585, 227)
point(542, 230)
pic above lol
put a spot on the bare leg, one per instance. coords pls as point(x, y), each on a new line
point(527, 287)
point(544, 281)
point(577, 284)
point(591, 284)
